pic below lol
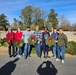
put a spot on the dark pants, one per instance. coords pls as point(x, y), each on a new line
point(45, 48)
point(9, 49)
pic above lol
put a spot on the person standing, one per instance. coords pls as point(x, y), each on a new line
point(10, 37)
point(62, 42)
point(38, 34)
point(27, 33)
point(45, 35)
point(54, 35)
point(18, 37)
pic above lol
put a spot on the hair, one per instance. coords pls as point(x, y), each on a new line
point(60, 28)
point(54, 28)
point(46, 28)
point(37, 26)
point(9, 29)
point(17, 29)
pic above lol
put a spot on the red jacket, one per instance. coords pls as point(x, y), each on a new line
point(18, 36)
point(10, 36)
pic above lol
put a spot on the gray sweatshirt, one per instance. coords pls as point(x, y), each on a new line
point(26, 35)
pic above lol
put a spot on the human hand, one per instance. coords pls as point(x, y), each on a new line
point(38, 42)
point(56, 41)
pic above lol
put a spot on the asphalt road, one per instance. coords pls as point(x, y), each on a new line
point(33, 66)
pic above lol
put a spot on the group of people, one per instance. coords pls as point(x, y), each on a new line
point(59, 47)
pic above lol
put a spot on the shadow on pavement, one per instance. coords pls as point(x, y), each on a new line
point(47, 68)
point(8, 68)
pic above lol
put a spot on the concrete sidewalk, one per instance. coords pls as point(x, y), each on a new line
point(33, 66)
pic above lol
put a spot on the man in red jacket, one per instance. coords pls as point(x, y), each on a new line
point(10, 37)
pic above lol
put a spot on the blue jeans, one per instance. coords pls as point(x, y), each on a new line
point(54, 49)
point(62, 50)
point(26, 50)
point(38, 49)
point(19, 51)
point(9, 49)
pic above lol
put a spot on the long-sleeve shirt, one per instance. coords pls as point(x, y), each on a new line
point(18, 35)
point(45, 35)
point(10, 36)
point(62, 40)
point(54, 35)
point(26, 35)
point(38, 35)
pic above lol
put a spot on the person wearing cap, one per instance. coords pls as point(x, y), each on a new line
point(26, 34)
point(38, 34)
point(54, 35)
point(10, 37)
point(45, 35)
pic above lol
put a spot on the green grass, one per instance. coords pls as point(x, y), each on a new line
point(33, 51)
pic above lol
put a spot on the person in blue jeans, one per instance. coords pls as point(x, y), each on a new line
point(38, 34)
point(27, 33)
point(18, 38)
point(54, 35)
point(45, 35)
point(62, 42)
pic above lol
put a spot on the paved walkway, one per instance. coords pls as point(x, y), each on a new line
point(32, 66)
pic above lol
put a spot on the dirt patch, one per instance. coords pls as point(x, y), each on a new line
point(4, 51)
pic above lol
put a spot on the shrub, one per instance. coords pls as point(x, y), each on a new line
point(3, 43)
point(71, 48)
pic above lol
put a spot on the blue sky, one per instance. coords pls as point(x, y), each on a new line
point(12, 8)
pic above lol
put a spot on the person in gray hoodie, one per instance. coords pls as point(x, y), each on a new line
point(27, 33)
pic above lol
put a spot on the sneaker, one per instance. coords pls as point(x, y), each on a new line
point(52, 55)
point(57, 59)
point(39, 58)
point(10, 56)
point(19, 56)
point(62, 61)
point(45, 57)
point(48, 56)
point(29, 56)
point(25, 58)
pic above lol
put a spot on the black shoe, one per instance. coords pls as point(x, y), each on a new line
point(25, 58)
point(52, 55)
point(13, 55)
point(29, 56)
point(10, 56)
point(45, 57)
point(48, 56)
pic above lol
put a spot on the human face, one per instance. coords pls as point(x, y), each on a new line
point(18, 30)
point(37, 28)
point(45, 29)
point(9, 30)
point(28, 29)
point(61, 31)
point(55, 30)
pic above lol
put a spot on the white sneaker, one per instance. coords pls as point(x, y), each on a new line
point(57, 59)
point(62, 61)
point(19, 56)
